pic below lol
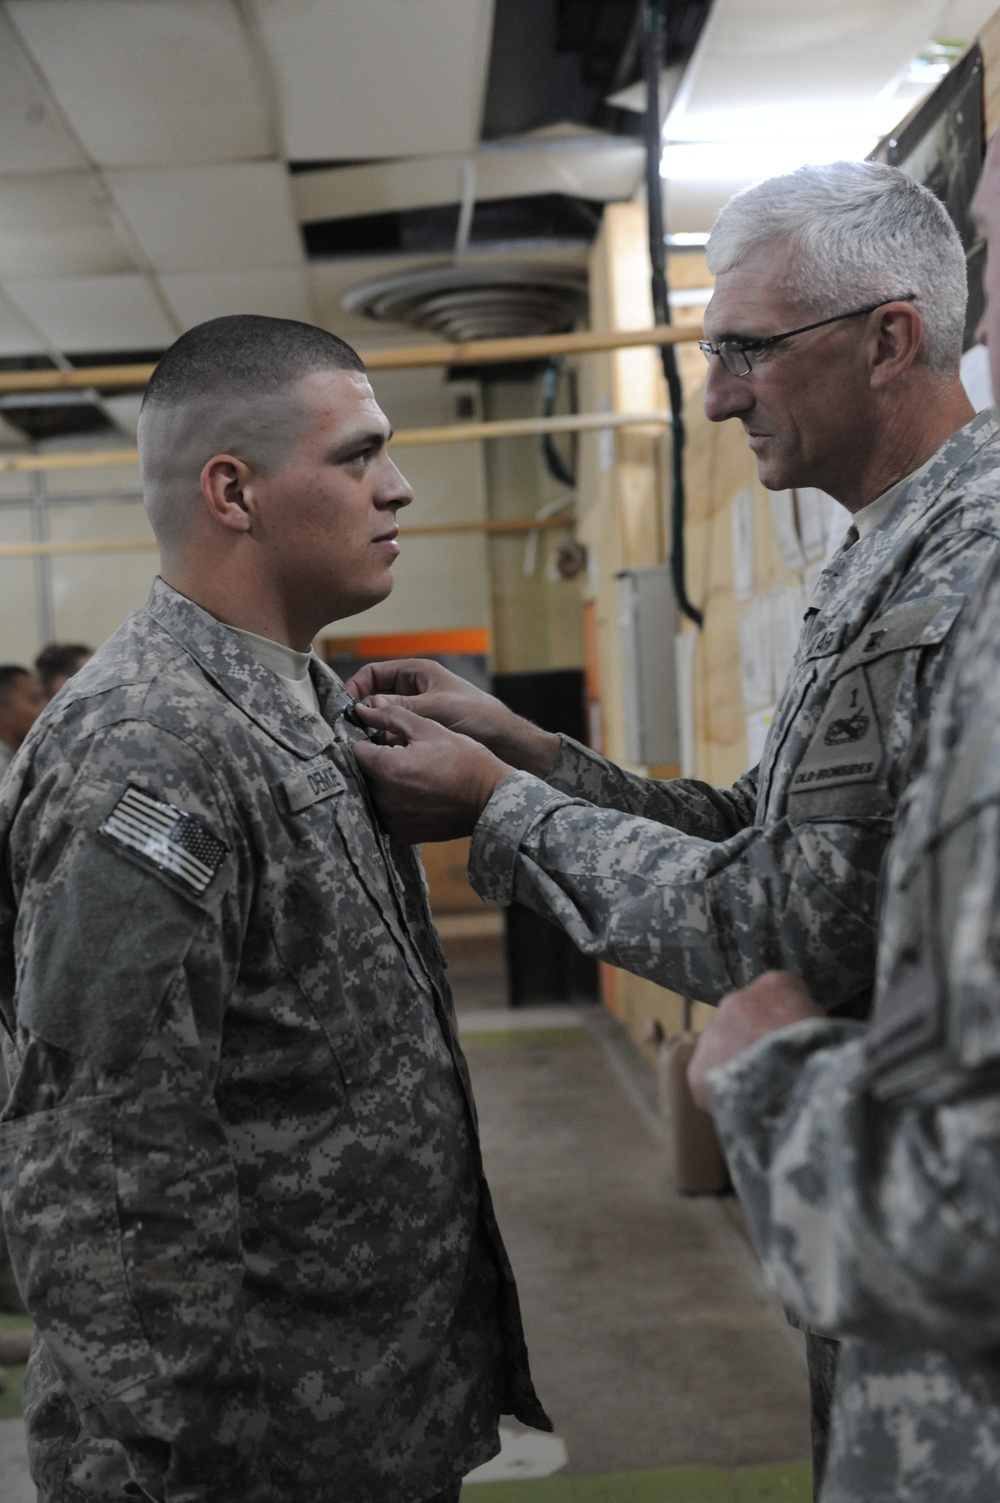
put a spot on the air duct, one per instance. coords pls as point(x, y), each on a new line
point(494, 301)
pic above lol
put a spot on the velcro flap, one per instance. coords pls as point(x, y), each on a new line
point(921, 623)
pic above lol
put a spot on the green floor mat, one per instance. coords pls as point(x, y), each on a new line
point(788, 1483)
point(10, 1400)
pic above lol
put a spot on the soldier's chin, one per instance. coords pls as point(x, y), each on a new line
point(772, 475)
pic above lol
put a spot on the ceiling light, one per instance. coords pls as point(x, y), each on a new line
point(749, 161)
point(683, 238)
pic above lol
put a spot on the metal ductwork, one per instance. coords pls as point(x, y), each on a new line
point(476, 302)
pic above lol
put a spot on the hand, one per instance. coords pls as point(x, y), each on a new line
point(427, 782)
point(773, 1001)
point(429, 690)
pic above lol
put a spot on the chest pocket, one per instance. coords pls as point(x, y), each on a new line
point(334, 916)
point(847, 762)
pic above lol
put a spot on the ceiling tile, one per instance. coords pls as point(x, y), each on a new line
point(777, 65)
point(278, 293)
point(229, 217)
point(81, 314)
point(32, 137)
point(162, 81)
point(52, 224)
point(386, 78)
point(17, 337)
point(604, 171)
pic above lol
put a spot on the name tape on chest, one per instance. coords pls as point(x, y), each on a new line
point(302, 789)
point(847, 745)
point(168, 837)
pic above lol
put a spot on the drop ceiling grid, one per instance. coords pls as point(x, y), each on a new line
point(163, 82)
point(230, 216)
point(387, 78)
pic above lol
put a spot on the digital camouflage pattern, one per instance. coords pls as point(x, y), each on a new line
point(239, 1164)
point(868, 1159)
point(701, 889)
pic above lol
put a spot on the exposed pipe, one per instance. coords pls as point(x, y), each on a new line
point(654, 54)
point(453, 433)
point(555, 464)
point(515, 525)
point(404, 357)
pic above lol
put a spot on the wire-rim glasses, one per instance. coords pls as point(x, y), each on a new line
point(735, 353)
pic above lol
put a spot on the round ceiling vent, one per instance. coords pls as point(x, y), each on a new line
point(476, 302)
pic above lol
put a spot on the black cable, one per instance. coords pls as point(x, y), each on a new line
point(654, 52)
point(557, 466)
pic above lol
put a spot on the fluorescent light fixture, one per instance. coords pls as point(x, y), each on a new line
point(748, 161)
point(684, 238)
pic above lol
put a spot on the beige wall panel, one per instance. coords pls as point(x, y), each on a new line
point(989, 41)
point(109, 480)
point(441, 585)
point(93, 593)
point(18, 632)
point(536, 617)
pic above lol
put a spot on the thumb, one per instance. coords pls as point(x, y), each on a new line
point(397, 723)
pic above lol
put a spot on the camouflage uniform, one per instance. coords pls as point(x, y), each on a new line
point(239, 1165)
point(869, 1159)
point(701, 889)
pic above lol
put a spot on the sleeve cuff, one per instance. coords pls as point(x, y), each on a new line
point(500, 830)
point(575, 768)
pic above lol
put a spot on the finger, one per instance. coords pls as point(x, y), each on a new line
point(697, 1072)
point(392, 719)
point(397, 676)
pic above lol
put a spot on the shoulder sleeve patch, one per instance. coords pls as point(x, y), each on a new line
point(169, 838)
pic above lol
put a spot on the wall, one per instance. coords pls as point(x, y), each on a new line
point(441, 582)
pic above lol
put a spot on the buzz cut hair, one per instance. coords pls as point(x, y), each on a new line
point(244, 355)
point(859, 232)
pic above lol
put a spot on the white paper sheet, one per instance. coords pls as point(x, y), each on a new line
point(786, 528)
point(786, 622)
point(757, 653)
point(742, 523)
point(685, 644)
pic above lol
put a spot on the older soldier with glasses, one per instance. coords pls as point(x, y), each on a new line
point(834, 335)
point(868, 1158)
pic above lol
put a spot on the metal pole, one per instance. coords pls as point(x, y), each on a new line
point(43, 562)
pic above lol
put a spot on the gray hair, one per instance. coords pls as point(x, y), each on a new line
point(858, 231)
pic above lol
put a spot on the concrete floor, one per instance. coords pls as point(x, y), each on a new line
point(651, 1345)
point(662, 1360)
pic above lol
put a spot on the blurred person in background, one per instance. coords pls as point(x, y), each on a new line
point(58, 662)
point(22, 700)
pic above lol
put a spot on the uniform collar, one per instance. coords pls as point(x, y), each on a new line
point(911, 497)
point(235, 671)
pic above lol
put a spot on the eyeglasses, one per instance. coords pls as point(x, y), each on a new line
point(735, 353)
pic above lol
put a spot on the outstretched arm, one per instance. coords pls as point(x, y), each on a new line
point(426, 689)
point(701, 917)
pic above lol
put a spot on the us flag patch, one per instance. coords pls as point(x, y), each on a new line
point(172, 840)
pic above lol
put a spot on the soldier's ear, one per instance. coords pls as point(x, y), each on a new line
point(226, 488)
point(895, 339)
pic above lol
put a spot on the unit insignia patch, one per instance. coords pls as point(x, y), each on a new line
point(847, 746)
point(172, 840)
